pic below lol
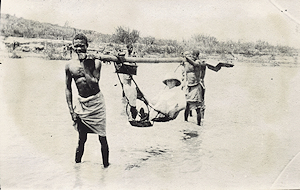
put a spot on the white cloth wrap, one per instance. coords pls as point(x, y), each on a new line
point(92, 112)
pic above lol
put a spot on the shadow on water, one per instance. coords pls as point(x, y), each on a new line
point(191, 150)
point(183, 155)
point(189, 134)
point(147, 155)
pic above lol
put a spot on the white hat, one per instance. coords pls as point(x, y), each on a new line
point(171, 76)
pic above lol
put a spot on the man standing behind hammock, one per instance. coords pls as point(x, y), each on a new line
point(194, 73)
point(88, 112)
point(129, 89)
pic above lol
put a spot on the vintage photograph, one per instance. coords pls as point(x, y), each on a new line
point(149, 94)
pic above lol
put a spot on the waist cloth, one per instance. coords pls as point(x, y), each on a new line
point(92, 112)
point(195, 96)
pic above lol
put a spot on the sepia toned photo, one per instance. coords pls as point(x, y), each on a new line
point(149, 94)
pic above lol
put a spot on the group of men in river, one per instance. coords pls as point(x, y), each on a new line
point(88, 112)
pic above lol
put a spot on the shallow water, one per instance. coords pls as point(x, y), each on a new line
point(249, 134)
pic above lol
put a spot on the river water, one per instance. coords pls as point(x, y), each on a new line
point(249, 134)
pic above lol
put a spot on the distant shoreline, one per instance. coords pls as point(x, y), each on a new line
point(257, 60)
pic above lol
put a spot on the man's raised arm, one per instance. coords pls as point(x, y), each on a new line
point(92, 72)
point(194, 63)
point(218, 67)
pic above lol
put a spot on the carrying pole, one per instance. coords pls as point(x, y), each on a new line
point(122, 59)
point(140, 60)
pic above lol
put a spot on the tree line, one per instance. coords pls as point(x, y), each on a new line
point(20, 27)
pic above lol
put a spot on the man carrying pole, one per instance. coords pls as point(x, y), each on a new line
point(89, 114)
point(194, 73)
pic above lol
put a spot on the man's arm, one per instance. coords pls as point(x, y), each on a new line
point(68, 92)
point(214, 68)
point(91, 74)
point(218, 67)
point(194, 63)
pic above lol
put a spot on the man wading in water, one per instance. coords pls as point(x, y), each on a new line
point(194, 73)
point(88, 112)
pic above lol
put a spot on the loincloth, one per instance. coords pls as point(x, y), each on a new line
point(92, 112)
point(195, 96)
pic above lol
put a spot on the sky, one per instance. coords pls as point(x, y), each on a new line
point(275, 21)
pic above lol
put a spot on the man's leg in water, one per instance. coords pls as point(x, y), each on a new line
point(202, 109)
point(198, 116)
point(104, 151)
point(186, 112)
point(81, 141)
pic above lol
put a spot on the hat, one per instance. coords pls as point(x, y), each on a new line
point(171, 76)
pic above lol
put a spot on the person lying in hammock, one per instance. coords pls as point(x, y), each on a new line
point(164, 107)
point(169, 102)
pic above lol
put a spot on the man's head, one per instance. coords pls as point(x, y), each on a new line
point(171, 83)
point(129, 48)
point(80, 45)
point(171, 80)
point(82, 38)
point(195, 53)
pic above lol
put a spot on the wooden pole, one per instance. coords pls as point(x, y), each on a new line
point(141, 60)
point(213, 63)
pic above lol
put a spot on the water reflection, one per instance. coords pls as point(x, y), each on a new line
point(77, 182)
point(192, 154)
point(90, 175)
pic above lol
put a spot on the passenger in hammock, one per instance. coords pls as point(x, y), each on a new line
point(169, 102)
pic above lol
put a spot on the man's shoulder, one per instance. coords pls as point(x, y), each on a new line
point(70, 63)
point(201, 62)
point(197, 63)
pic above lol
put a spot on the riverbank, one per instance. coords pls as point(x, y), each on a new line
point(56, 52)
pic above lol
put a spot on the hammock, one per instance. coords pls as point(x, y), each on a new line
point(130, 69)
point(144, 106)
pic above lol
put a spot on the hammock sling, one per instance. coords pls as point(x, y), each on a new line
point(130, 69)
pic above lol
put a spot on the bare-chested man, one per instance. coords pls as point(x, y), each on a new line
point(194, 73)
point(88, 112)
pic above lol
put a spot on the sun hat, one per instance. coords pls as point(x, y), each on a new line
point(171, 76)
